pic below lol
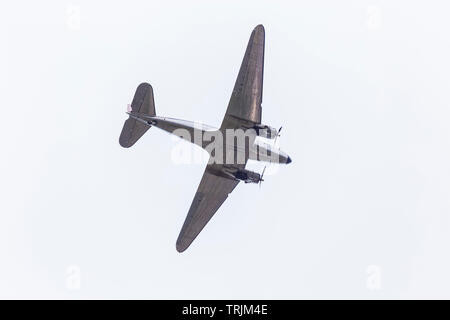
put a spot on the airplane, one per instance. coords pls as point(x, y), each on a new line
point(230, 152)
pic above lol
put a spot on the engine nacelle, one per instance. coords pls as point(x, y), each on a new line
point(265, 131)
point(242, 174)
point(248, 176)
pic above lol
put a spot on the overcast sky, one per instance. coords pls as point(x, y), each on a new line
point(363, 93)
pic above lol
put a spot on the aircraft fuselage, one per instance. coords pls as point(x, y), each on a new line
point(225, 146)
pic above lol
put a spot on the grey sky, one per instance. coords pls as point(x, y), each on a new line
point(360, 87)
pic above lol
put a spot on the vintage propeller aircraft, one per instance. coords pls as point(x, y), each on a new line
point(230, 146)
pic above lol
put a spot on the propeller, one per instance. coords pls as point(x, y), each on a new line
point(261, 177)
point(278, 134)
point(274, 141)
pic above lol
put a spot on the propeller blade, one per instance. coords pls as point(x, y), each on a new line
point(274, 142)
point(261, 177)
point(276, 137)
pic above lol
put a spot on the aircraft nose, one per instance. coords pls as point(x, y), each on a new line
point(289, 160)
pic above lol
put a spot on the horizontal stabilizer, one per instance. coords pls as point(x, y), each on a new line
point(143, 102)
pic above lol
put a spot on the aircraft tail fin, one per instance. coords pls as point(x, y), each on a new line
point(143, 103)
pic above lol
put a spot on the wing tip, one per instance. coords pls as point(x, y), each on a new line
point(259, 31)
point(181, 247)
point(258, 35)
point(259, 27)
point(124, 144)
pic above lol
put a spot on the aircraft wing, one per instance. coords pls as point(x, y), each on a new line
point(244, 107)
point(211, 193)
point(244, 110)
